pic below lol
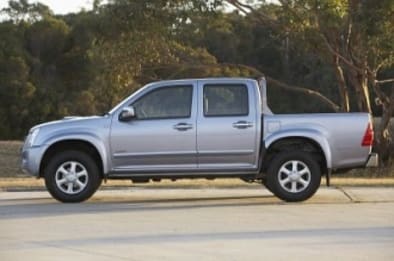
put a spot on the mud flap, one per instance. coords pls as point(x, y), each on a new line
point(328, 177)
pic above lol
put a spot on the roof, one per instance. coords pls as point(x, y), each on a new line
point(206, 79)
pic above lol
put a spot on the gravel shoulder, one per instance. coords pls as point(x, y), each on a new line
point(21, 184)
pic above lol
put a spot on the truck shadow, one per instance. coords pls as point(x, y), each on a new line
point(48, 207)
point(348, 236)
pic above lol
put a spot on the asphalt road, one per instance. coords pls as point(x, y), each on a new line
point(199, 224)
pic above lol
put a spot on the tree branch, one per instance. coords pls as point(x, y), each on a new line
point(239, 5)
point(289, 87)
point(384, 81)
point(349, 33)
point(382, 64)
point(248, 9)
point(314, 93)
point(257, 74)
point(334, 52)
point(293, 11)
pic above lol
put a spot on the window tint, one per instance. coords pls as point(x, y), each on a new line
point(165, 102)
point(225, 100)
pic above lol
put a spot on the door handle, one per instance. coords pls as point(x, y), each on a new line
point(183, 126)
point(242, 124)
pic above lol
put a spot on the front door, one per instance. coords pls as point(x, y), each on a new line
point(163, 134)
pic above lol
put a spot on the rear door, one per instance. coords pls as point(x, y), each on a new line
point(227, 125)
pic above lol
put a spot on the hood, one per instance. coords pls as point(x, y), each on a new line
point(70, 120)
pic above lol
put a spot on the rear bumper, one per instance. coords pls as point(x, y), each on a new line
point(373, 160)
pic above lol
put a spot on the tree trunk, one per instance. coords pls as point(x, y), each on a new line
point(342, 87)
point(383, 133)
point(286, 65)
point(360, 84)
point(383, 136)
point(365, 93)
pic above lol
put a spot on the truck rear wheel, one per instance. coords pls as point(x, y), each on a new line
point(72, 176)
point(293, 176)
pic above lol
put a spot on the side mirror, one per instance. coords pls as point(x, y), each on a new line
point(127, 114)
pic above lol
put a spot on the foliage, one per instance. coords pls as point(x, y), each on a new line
point(84, 63)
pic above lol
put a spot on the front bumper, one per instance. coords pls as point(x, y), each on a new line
point(373, 160)
point(31, 159)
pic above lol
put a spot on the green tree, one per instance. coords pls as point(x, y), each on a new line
point(16, 90)
point(355, 36)
point(136, 42)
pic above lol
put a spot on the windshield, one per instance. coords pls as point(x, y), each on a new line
point(125, 101)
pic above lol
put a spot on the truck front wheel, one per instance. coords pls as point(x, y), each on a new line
point(72, 176)
point(293, 176)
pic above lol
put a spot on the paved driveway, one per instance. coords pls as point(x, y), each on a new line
point(199, 224)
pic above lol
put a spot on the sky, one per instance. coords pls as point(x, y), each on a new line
point(60, 6)
point(68, 6)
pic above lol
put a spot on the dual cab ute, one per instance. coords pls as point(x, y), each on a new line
point(197, 128)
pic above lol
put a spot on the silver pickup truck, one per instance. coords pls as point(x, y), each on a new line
point(197, 128)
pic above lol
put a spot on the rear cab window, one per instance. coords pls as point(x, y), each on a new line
point(221, 100)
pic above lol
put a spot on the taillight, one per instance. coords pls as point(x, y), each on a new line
point(368, 136)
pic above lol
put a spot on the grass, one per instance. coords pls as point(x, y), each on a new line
point(10, 159)
point(34, 183)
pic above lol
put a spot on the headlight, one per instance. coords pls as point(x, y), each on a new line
point(32, 137)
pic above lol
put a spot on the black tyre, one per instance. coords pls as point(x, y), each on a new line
point(72, 176)
point(264, 182)
point(293, 176)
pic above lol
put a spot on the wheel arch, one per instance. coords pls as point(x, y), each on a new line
point(79, 144)
point(305, 140)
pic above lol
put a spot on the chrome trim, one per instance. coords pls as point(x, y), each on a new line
point(219, 152)
point(147, 154)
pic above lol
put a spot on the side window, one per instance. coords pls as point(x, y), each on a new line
point(225, 100)
point(165, 102)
